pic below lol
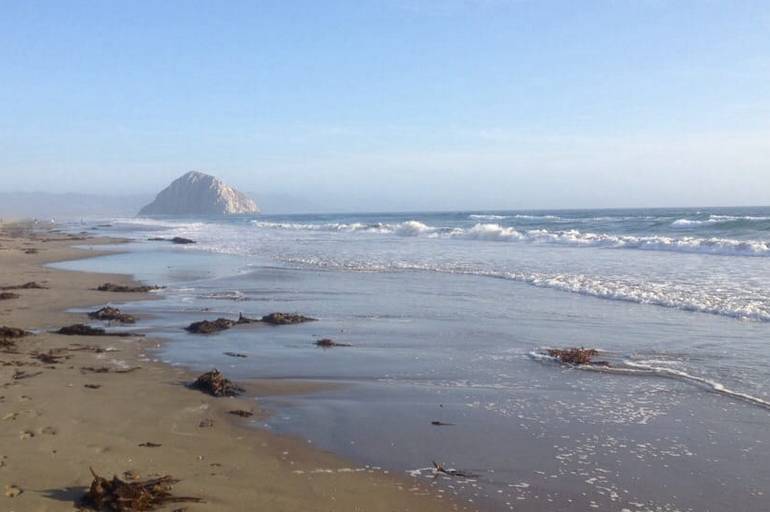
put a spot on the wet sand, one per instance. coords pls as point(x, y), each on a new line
point(60, 419)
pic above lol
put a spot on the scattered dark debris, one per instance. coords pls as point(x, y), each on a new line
point(32, 285)
point(111, 287)
point(329, 343)
point(242, 413)
point(440, 469)
point(48, 357)
point(117, 495)
point(21, 374)
point(87, 330)
point(8, 295)
point(235, 354)
point(109, 313)
point(215, 384)
point(441, 424)
point(107, 369)
point(206, 423)
point(77, 347)
point(150, 444)
point(12, 332)
point(576, 356)
point(92, 386)
point(285, 319)
point(94, 369)
point(8, 346)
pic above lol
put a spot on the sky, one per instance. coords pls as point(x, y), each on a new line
point(393, 104)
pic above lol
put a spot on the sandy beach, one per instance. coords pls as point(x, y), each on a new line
point(99, 399)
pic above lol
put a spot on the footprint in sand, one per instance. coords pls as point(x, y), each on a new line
point(26, 434)
point(50, 431)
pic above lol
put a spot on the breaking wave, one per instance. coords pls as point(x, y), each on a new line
point(662, 369)
point(572, 237)
point(718, 219)
point(738, 304)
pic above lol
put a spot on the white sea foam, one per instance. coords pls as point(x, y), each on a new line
point(487, 217)
point(737, 303)
point(663, 369)
point(710, 384)
point(572, 237)
point(718, 219)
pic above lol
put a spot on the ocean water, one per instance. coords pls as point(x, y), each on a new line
point(449, 314)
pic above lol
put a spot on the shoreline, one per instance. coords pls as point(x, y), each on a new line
point(55, 428)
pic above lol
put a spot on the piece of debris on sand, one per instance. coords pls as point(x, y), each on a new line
point(235, 354)
point(117, 495)
point(575, 355)
point(111, 287)
point(215, 384)
point(329, 343)
point(32, 285)
point(49, 357)
point(12, 332)
point(285, 319)
point(87, 330)
point(242, 413)
point(8, 295)
point(110, 314)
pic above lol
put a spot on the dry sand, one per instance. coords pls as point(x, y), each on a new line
point(53, 427)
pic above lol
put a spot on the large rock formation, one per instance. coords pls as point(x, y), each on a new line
point(196, 193)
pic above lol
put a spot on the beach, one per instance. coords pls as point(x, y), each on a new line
point(101, 404)
point(446, 319)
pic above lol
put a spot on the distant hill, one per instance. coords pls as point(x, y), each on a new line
point(70, 205)
point(196, 193)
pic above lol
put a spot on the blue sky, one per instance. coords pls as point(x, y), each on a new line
point(393, 104)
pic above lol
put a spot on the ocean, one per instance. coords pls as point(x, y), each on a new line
point(449, 316)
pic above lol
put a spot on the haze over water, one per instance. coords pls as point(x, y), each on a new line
point(448, 315)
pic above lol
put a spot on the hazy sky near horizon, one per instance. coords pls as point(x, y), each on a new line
point(393, 104)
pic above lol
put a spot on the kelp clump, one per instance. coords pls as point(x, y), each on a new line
point(215, 384)
point(574, 355)
point(117, 495)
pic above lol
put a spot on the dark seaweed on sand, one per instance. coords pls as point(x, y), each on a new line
point(117, 495)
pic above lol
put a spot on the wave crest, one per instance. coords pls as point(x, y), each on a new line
point(572, 237)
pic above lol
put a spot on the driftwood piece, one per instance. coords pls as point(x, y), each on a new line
point(117, 495)
point(215, 384)
point(440, 469)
